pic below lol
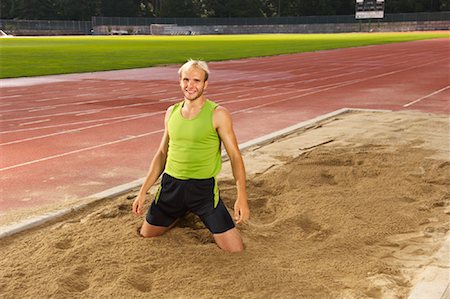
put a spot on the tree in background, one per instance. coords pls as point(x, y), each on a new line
point(233, 8)
point(444, 5)
point(34, 9)
point(179, 9)
point(6, 9)
point(343, 7)
point(81, 10)
point(147, 8)
point(84, 9)
point(307, 8)
point(403, 6)
point(115, 8)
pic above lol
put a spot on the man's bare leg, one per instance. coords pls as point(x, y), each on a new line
point(229, 241)
point(150, 231)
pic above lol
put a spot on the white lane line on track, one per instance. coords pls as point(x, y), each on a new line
point(426, 96)
point(11, 96)
point(34, 122)
point(79, 129)
point(73, 104)
point(85, 94)
point(47, 99)
point(88, 112)
point(172, 99)
point(80, 111)
point(128, 138)
point(41, 109)
point(70, 124)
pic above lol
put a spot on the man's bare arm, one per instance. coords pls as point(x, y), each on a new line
point(156, 168)
point(223, 124)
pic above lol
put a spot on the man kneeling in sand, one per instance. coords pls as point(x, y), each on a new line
point(190, 157)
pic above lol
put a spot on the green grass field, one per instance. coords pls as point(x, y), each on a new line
point(34, 56)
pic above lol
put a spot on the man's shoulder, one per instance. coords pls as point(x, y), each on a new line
point(221, 110)
point(173, 107)
point(170, 110)
point(221, 116)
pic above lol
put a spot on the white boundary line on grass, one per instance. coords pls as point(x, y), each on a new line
point(434, 281)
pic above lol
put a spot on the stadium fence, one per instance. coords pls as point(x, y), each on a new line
point(303, 24)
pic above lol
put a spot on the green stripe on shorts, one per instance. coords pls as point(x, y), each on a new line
point(216, 193)
point(158, 193)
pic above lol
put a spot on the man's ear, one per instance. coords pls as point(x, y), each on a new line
point(206, 84)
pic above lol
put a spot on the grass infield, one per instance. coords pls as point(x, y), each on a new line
point(35, 56)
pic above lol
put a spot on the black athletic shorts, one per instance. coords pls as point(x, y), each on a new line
point(176, 197)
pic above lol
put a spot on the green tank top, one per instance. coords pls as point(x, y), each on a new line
point(194, 144)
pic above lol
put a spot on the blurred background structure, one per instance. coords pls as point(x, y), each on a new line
point(174, 17)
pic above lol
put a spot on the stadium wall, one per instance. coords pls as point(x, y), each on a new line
point(173, 29)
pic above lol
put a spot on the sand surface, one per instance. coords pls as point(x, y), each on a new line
point(352, 208)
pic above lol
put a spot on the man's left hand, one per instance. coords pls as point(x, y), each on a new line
point(241, 211)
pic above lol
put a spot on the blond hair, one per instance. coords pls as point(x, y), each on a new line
point(202, 65)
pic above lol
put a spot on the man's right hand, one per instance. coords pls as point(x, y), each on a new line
point(138, 204)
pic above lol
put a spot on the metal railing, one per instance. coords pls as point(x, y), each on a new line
point(71, 27)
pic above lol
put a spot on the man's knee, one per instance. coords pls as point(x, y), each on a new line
point(230, 241)
point(146, 234)
point(238, 247)
point(151, 231)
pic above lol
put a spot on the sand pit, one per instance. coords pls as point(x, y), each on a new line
point(353, 208)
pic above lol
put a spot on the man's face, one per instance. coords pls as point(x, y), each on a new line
point(192, 82)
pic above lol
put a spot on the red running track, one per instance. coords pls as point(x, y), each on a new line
point(66, 137)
